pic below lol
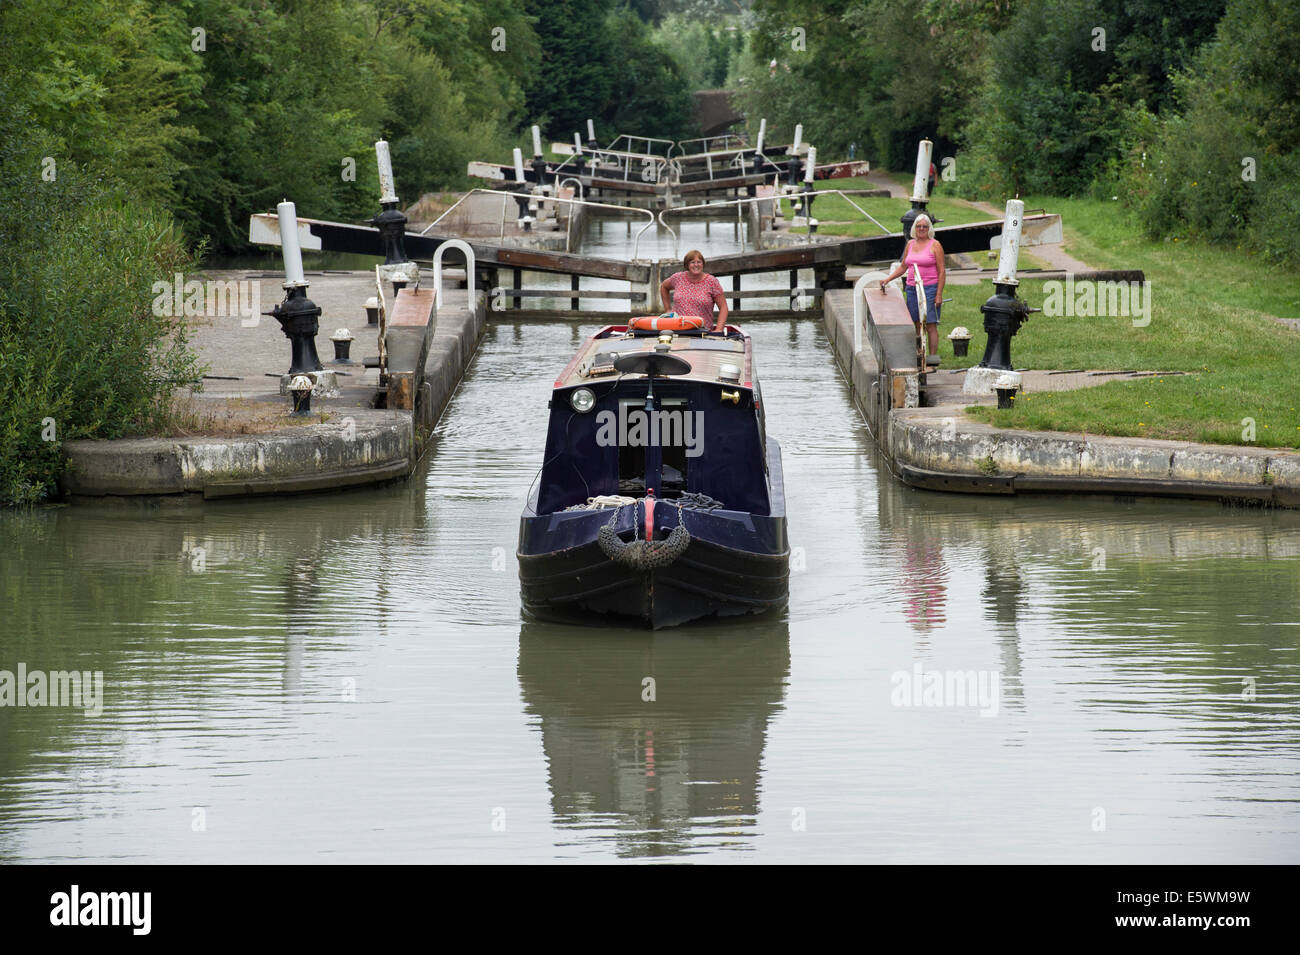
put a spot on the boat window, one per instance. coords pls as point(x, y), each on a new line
point(669, 432)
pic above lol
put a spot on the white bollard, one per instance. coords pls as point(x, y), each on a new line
point(798, 139)
point(537, 141)
point(577, 144)
point(388, 192)
point(808, 167)
point(1010, 254)
point(921, 182)
point(289, 244)
point(591, 130)
point(762, 132)
point(519, 164)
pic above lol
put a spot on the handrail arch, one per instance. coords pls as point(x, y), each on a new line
point(463, 247)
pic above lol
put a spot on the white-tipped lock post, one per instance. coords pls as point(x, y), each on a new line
point(299, 316)
point(525, 221)
point(1003, 312)
point(921, 181)
point(580, 160)
point(390, 221)
point(539, 161)
point(1009, 255)
point(809, 193)
point(920, 190)
point(293, 274)
point(387, 190)
point(794, 168)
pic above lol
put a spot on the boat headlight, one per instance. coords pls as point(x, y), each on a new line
point(582, 400)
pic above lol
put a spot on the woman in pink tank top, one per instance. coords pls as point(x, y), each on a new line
point(925, 253)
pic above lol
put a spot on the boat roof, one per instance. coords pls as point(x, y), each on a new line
point(705, 354)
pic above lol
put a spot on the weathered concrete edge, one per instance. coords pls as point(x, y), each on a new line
point(358, 441)
point(455, 340)
point(358, 447)
point(937, 449)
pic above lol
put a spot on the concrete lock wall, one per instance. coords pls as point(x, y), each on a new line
point(356, 446)
point(940, 449)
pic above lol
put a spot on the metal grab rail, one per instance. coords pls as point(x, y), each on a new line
point(465, 250)
point(582, 202)
point(623, 160)
point(860, 305)
point(725, 137)
point(722, 204)
point(644, 139)
point(568, 226)
point(818, 193)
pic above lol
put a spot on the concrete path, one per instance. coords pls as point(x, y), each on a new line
point(1053, 255)
point(244, 440)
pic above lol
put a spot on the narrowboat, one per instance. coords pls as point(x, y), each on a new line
point(660, 498)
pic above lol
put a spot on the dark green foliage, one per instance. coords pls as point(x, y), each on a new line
point(600, 63)
point(1065, 97)
point(576, 71)
point(1239, 109)
point(275, 99)
point(81, 353)
point(648, 95)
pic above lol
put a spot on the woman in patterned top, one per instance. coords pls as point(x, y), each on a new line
point(695, 292)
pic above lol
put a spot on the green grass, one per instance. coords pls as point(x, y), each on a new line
point(838, 217)
point(1211, 315)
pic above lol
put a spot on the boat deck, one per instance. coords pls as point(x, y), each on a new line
point(706, 354)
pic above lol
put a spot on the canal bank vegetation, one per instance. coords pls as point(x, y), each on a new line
point(82, 354)
point(138, 137)
point(1213, 316)
point(1186, 113)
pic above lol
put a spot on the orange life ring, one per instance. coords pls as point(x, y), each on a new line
point(668, 323)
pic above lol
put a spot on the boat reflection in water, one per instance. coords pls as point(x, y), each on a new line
point(655, 742)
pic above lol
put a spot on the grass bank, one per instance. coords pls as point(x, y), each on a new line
point(1212, 313)
point(837, 216)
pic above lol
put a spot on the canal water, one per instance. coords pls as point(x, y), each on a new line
point(348, 678)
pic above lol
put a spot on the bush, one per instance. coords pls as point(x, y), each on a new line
point(1225, 168)
point(81, 353)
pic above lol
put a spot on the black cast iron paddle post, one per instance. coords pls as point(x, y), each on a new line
point(1003, 312)
point(299, 316)
point(390, 222)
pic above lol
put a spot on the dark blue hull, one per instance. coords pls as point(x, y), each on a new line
point(735, 563)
